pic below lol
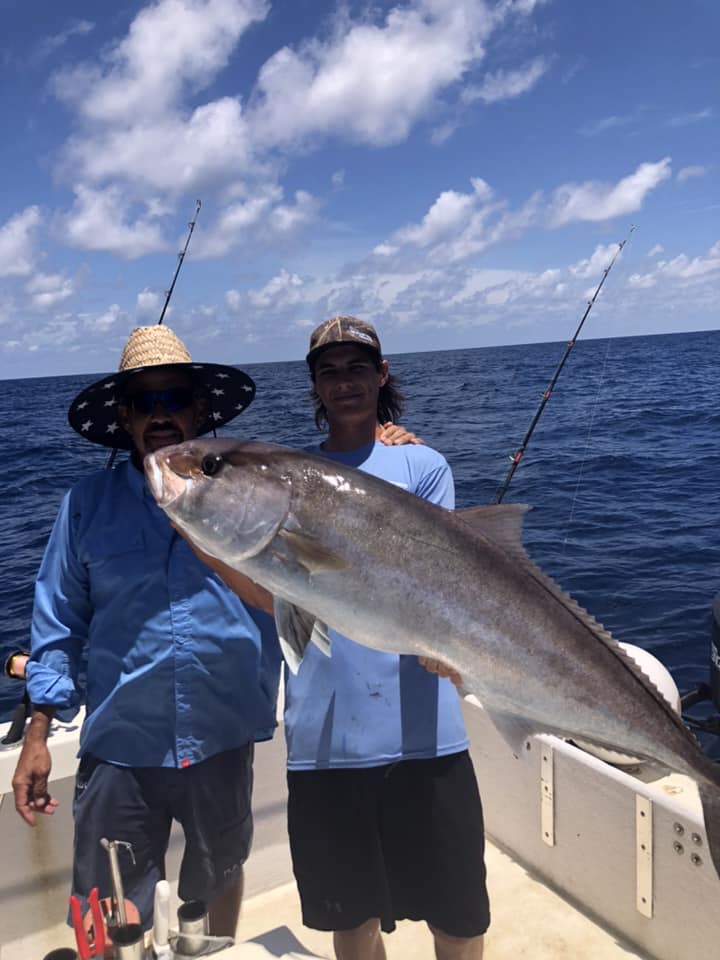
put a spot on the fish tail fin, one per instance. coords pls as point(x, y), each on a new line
point(709, 787)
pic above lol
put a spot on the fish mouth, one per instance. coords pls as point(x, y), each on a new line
point(165, 484)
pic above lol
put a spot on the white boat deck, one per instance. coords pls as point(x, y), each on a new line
point(530, 918)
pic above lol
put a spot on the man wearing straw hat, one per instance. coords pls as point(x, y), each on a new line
point(181, 676)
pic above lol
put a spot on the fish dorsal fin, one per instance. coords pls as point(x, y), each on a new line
point(570, 603)
point(310, 554)
point(606, 637)
point(502, 525)
point(624, 653)
point(598, 630)
point(500, 522)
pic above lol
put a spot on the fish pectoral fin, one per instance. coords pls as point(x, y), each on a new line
point(500, 522)
point(296, 628)
point(321, 638)
point(310, 554)
point(514, 730)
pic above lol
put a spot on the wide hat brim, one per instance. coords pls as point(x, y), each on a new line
point(94, 411)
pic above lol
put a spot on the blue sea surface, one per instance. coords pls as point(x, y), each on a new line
point(621, 472)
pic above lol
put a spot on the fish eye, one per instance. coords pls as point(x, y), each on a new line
point(211, 465)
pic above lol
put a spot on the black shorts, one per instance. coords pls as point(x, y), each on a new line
point(400, 841)
point(210, 799)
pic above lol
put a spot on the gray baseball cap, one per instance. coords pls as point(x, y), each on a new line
point(343, 331)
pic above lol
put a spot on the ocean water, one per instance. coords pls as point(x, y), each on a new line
point(621, 474)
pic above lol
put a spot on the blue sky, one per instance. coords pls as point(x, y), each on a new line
point(459, 172)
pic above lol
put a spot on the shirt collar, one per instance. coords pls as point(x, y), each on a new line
point(136, 480)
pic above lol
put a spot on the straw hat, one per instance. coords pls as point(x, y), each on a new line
point(94, 414)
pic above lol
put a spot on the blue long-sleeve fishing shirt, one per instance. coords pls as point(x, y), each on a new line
point(178, 669)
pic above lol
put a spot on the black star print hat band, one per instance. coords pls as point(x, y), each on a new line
point(94, 412)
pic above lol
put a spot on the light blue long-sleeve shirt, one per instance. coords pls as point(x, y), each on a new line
point(178, 669)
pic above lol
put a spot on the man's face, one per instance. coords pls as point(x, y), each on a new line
point(160, 408)
point(348, 382)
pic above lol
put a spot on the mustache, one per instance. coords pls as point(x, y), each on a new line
point(161, 424)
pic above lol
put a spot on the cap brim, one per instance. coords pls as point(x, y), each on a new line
point(317, 351)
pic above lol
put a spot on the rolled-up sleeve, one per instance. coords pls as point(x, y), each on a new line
point(60, 619)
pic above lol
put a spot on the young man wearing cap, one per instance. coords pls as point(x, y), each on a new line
point(384, 814)
point(181, 677)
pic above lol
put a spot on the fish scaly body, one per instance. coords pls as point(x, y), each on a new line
point(340, 548)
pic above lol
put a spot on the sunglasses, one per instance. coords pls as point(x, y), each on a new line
point(176, 398)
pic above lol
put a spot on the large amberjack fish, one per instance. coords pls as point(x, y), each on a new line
point(340, 548)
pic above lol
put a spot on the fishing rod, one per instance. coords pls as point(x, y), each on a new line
point(168, 295)
point(181, 257)
point(517, 456)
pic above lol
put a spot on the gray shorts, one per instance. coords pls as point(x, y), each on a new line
point(212, 802)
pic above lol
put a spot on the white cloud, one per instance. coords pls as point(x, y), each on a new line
point(172, 153)
point(100, 220)
point(686, 268)
point(53, 42)
point(233, 300)
point(596, 201)
point(656, 250)
point(455, 227)
point(686, 119)
point(368, 81)
point(643, 281)
point(459, 226)
point(284, 289)
point(171, 46)
point(607, 123)
point(286, 218)
point(371, 82)
point(17, 243)
point(259, 216)
point(686, 173)
point(506, 84)
point(148, 305)
point(48, 289)
point(105, 321)
point(143, 127)
point(594, 265)
point(448, 214)
point(680, 271)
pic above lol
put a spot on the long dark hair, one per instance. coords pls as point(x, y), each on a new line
point(391, 402)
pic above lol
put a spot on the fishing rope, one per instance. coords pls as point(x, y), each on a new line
point(588, 438)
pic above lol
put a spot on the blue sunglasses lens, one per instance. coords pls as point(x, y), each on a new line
point(178, 398)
